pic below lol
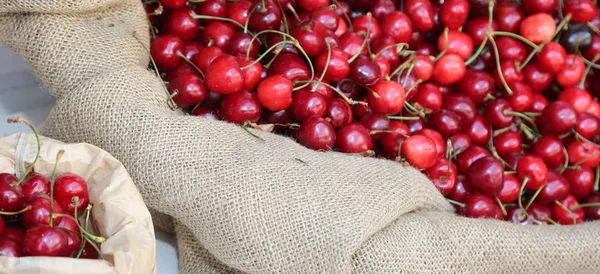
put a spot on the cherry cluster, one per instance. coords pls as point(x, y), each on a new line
point(41, 216)
point(495, 101)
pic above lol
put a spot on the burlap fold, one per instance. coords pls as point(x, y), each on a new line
point(242, 204)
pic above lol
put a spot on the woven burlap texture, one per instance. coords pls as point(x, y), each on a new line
point(246, 205)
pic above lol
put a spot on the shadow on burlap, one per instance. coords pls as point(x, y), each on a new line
point(243, 205)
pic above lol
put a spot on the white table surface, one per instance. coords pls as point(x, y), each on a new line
point(22, 95)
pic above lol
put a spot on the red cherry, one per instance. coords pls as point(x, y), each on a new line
point(240, 43)
point(45, 241)
point(306, 104)
point(374, 121)
point(480, 206)
point(446, 122)
point(571, 72)
point(328, 18)
point(538, 28)
point(508, 142)
point(181, 22)
point(73, 236)
point(583, 153)
point(592, 212)
point(587, 125)
point(390, 97)
point(532, 169)
point(224, 75)
point(89, 252)
point(438, 139)
point(66, 187)
point(537, 77)
point(398, 26)
point(173, 4)
point(486, 175)
point(477, 85)
point(582, 11)
point(214, 8)
point(316, 133)
point(239, 10)
point(312, 5)
point(539, 212)
point(351, 43)
point(511, 49)
point(190, 90)
point(511, 189)
point(183, 68)
point(10, 248)
point(337, 68)
point(508, 17)
point(420, 13)
point(218, 33)
point(12, 198)
point(517, 215)
point(240, 107)
point(265, 16)
point(361, 23)
point(381, 8)
point(463, 106)
point(383, 47)
point(511, 73)
point(420, 151)
point(275, 93)
point(581, 181)
point(552, 57)
point(423, 67)
point(550, 149)
point(495, 113)
point(534, 6)
point(557, 188)
point(311, 37)
point(14, 234)
point(338, 112)
point(429, 97)
point(35, 183)
point(443, 176)
point(206, 113)
point(578, 98)
point(558, 118)
point(522, 97)
point(164, 51)
point(206, 56)
point(191, 49)
point(468, 156)
point(252, 74)
point(594, 49)
point(390, 141)
point(478, 27)
point(462, 190)
point(570, 214)
point(353, 138)
point(39, 214)
point(291, 66)
point(449, 69)
point(460, 141)
point(453, 14)
point(458, 43)
point(365, 71)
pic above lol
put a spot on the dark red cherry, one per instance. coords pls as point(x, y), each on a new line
point(468, 156)
point(550, 149)
point(338, 112)
point(462, 190)
point(480, 206)
point(558, 117)
point(477, 85)
point(316, 133)
point(581, 181)
point(583, 153)
point(510, 72)
point(557, 188)
point(517, 215)
point(381, 8)
point(443, 176)
point(539, 212)
point(508, 17)
point(478, 27)
point(511, 189)
point(365, 71)
point(66, 187)
point(533, 169)
point(240, 107)
point(495, 113)
point(181, 22)
point(35, 183)
point(429, 97)
point(463, 106)
point(39, 214)
point(391, 140)
point(375, 122)
point(240, 43)
point(362, 23)
point(224, 75)
point(306, 104)
point(420, 13)
point(265, 16)
point(592, 212)
point(398, 26)
point(291, 66)
point(189, 88)
point(582, 11)
point(206, 113)
point(215, 8)
point(567, 211)
point(383, 47)
point(446, 122)
point(353, 138)
point(486, 175)
point(164, 51)
point(12, 198)
point(571, 72)
point(311, 37)
point(45, 241)
point(552, 57)
point(173, 4)
point(10, 248)
point(507, 142)
point(206, 56)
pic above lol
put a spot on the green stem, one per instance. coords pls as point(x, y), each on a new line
point(587, 70)
point(245, 127)
point(535, 196)
point(265, 54)
point(403, 118)
point(16, 212)
point(518, 37)
point(455, 202)
point(399, 47)
point(39, 145)
point(522, 191)
point(190, 62)
point(478, 52)
point(369, 16)
point(58, 156)
point(328, 61)
point(498, 68)
point(567, 210)
point(597, 179)
point(208, 17)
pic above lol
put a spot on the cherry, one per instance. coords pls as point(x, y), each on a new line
point(521, 98)
point(66, 187)
point(35, 183)
point(453, 14)
point(428, 96)
point(398, 26)
point(14, 234)
point(338, 112)
point(511, 49)
point(381, 8)
point(420, 151)
point(73, 236)
point(375, 122)
point(275, 93)
point(189, 88)
point(224, 75)
point(581, 181)
point(508, 17)
point(558, 118)
point(480, 206)
point(583, 153)
point(592, 212)
point(535, 6)
point(550, 149)
point(486, 175)
point(164, 51)
point(89, 252)
point(449, 69)
point(181, 23)
point(443, 176)
point(552, 57)
point(557, 188)
point(537, 78)
point(468, 156)
point(510, 72)
point(569, 213)
point(571, 72)
point(391, 140)
point(387, 97)
point(253, 72)
point(336, 66)
point(10, 248)
point(206, 56)
point(240, 107)
point(39, 214)
point(365, 71)
point(218, 33)
point(458, 43)
point(507, 142)
point(238, 11)
point(423, 67)
point(383, 46)
point(517, 215)
point(461, 191)
point(420, 13)
point(463, 106)
point(495, 113)
point(478, 27)
point(538, 28)
point(539, 212)
point(460, 141)
point(310, 5)
point(311, 37)
point(587, 125)
point(577, 37)
point(45, 241)
point(351, 43)
point(362, 23)
point(446, 122)
point(306, 104)
point(438, 139)
point(316, 133)
point(191, 49)
point(206, 113)
point(581, 10)
point(241, 43)
point(353, 138)
point(12, 199)
point(214, 8)
point(533, 170)
point(594, 49)
point(328, 18)
point(578, 98)
point(477, 85)
point(173, 4)
point(291, 66)
point(511, 189)
point(265, 16)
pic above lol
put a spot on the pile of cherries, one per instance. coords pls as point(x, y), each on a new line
point(495, 101)
point(41, 216)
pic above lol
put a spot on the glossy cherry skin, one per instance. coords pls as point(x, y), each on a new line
point(461, 191)
point(453, 14)
point(35, 183)
point(510, 49)
point(420, 13)
point(534, 170)
point(14, 234)
point(443, 176)
point(420, 151)
point(510, 72)
point(390, 141)
point(511, 189)
point(275, 93)
point(353, 138)
point(463, 106)
point(535, 6)
point(537, 77)
point(578, 98)
point(477, 85)
point(206, 56)
point(571, 72)
point(173, 4)
point(458, 43)
point(558, 117)
point(351, 43)
point(507, 142)
point(538, 28)
point(311, 37)
point(328, 18)
point(365, 71)
point(190, 90)
point(239, 10)
point(362, 23)
point(539, 212)
point(495, 113)
point(224, 75)
point(266, 16)
point(449, 69)
point(582, 10)
point(11, 198)
point(337, 68)
point(291, 66)
point(508, 17)
point(215, 8)
point(338, 112)
point(581, 181)
point(383, 47)
point(73, 235)
point(39, 214)
point(587, 125)
point(206, 113)
point(552, 57)
point(574, 215)
point(375, 122)
point(592, 212)
point(557, 188)
point(240, 107)
point(45, 241)
point(468, 156)
point(182, 24)
point(241, 44)
point(477, 28)
point(10, 248)
point(306, 104)
point(310, 6)
point(316, 133)
point(486, 175)
point(550, 149)
point(164, 51)
point(390, 97)
point(521, 98)
point(381, 8)
point(428, 96)
point(584, 154)
point(517, 215)
point(480, 206)
point(398, 26)
point(460, 142)
point(438, 139)
point(66, 187)
point(446, 122)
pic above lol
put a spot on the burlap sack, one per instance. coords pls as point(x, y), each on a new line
point(244, 205)
point(119, 212)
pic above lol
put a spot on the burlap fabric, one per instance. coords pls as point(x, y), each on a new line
point(244, 205)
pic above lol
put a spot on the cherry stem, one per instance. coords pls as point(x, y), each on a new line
point(528, 59)
point(578, 137)
point(590, 63)
point(39, 145)
point(567, 210)
point(399, 47)
point(455, 202)
point(400, 68)
point(365, 41)
point(537, 192)
point(403, 118)
point(522, 191)
point(492, 149)
point(285, 22)
point(348, 20)
point(16, 212)
point(293, 11)
point(58, 156)
point(528, 131)
point(593, 28)
point(413, 86)
point(587, 70)
point(327, 64)
point(566, 163)
point(504, 213)
point(265, 54)
point(588, 205)
point(190, 62)
point(248, 19)
point(314, 15)
point(498, 68)
point(208, 17)
point(518, 37)
point(597, 179)
point(446, 30)
point(285, 35)
point(520, 115)
point(410, 108)
point(587, 158)
point(478, 52)
point(81, 235)
point(245, 127)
